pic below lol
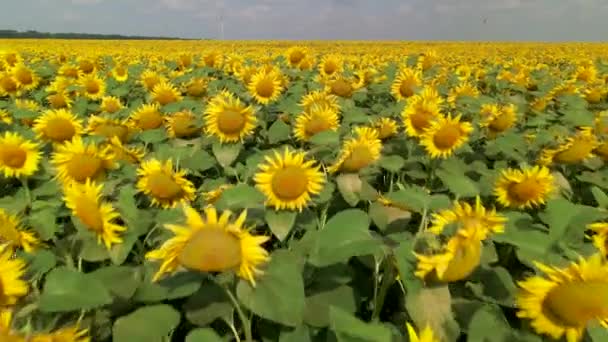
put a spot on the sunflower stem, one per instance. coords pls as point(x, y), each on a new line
point(386, 281)
point(244, 320)
point(28, 194)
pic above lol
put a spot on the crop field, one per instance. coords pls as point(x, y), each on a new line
point(208, 191)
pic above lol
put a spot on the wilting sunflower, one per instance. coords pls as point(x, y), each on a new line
point(66, 334)
point(60, 100)
point(26, 78)
point(464, 89)
point(465, 216)
point(567, 299)
point(19, 157)
point(315, 120)
point(211, 244)
point(109, 128)
point(600, 236)
point(575, 150)
point(92, 87)
point(149, 79)
point(57, 126)
point(228, 119)
point(320, 98)
point(498, 119)
point(78, 161)
point(212, 196)
point(147, 116)
point(426, 335)
point(164, 93)
point(14, 235)
point(97, 216)
point(111, 104)
point(12, 270)
point(295, 55)
point(182, 125)
point(165, 187)
point(418, 115)
point(133, 155)
point(265, 87)
point(287, 181)
point(445, 135)
point(386, 127)
point(358, 152)
point(330, 65)
point(406, 83)
point(526, 188)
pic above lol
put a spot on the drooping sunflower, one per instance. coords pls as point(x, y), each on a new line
point(147, 116)
point(498, 119)
point(14, 235)
point(426, 335)
point(66, 334)
point(164, 93)
point(341, 86)
point(463, 89)
point(295, 55)
point(320, 98)
point(406, 83)
point(418, 115)
point(464, 216)
point(427, 60)
point(163, 185)
point(197, 87)
point(12, 269)
point(60, 100)
point(26, 78)
point(78, 161)
point(567, 299)
point(358, 152)
point(526, 188)
point(85, 202)
point(19, 157)
point(212, 196)
point(574, 150)
point(111, 104)
point(149, 79)
point(212, 244)
point(265, 87)
point(109, 128)
point(317, 119)
point(386, 127)
point(330, 65)
point(133, 155)
point(288, 181)
point(228, 119)
point(92, 86)
point(182, 125)
point(445, 135)
point(57, 126)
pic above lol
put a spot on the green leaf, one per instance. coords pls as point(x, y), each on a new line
point(531, 243)
point(92, 250)
point(563, 216)
point(138, 221)
point(350, 328)
point(299, 334)
point(279, 131)
point(41, 262)
point(391, 163)
point(382, 215)
point(178, 286)
point(199, 160)
point(325, 138)
point(44, 223)
point(120, 251)
point(241, 196)
point(318, 304)
point(349, 185)
point(280, 222)
point(458, 183)
point(414, 198)
point(489, 324)
point(147, 324)
point(209, 303)
point(69, 290)
point(600, 197)
point(597, 333)
point(578, 117)
point(203, 335)
point(153, 136)
point(121, 281)
point(433, 306)
point(278, 295)
point(345, 235)
point(226, 154)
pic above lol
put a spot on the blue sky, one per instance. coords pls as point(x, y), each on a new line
point(547, 20)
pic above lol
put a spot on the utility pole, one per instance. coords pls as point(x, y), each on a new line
point(221, 19)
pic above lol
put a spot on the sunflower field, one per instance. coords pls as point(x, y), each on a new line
point(206, 191)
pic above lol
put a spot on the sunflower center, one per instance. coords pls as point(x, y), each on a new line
point(86, 66)
point(111, 106)
point(88, 212)
point(84, 166)
point(265, 87)
point(211, 249)
point(579, 150)
point(162, 186)
point(446, 136)
point(112, 130)
point(8, 84)
point(341, 88)
point(196, 89)
point(13, 156)
point(151, 119)
point(151, 81)
point(24, 76)
point(406, 89)
point(92, 87)
point(526, 190)
point(330, 67)
point(289, 183)
point(295, 57)
point(231, 121)
point(315, 125)
point(578, 302)
point(165, 96)
point(464, 262)
point(359, 157)
point(59, 129)
point(57, 101)
point(421, 120)
point(501, 123)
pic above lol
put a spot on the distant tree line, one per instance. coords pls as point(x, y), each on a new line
point(47, 35)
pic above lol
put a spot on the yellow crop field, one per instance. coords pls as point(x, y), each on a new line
point(303, 191)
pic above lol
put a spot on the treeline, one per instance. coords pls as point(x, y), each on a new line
point(47, 35)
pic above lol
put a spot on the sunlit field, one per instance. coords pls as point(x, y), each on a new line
point(207, 191)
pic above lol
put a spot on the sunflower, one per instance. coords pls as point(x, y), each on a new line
point(358, 152)
point(427, 60)
point(59, 100)
point(6, 332)
point(165, 187)
point(78, 161)
point(109, 128)
point(211, 59)
point(133, 155)
point(13, 234)
point(525, 188)
point(5, 117)
point(12, 269)
point(418, 114)
point(317, 119)
point(212, 244)
point(600, 237)
point(265, 87)
point(120, 73)
point(287, 181)
point(498, 119)
point(540, 104)
point(84, 199)
point(307, 63)
point(341, 86)
point(567, 299)
point(149, 79)
point(464, 216)
point(164, 93)
point(462, 90)
point(26, 78)
point(111, 104)
point(386, 127)
point(575, 150)
point(92, 87)
point(406, 83)
point(182, 125)
point(57, 126)
point(86, 65)
point(320, 98)
point(330, 65)
point(197, 87)
point(8, 84)
point(426, 335)
point(213, 195)
point(19, 157)
point(595, 94)
point(69, 71)
point(67, 334)
point(295, 55)
point(445, 135)
point(586, 73)
point(146, 117)
point(228, 119)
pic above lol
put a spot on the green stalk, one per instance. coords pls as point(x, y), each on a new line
point(244, 320)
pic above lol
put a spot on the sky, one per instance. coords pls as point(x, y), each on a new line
point(532, 20)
